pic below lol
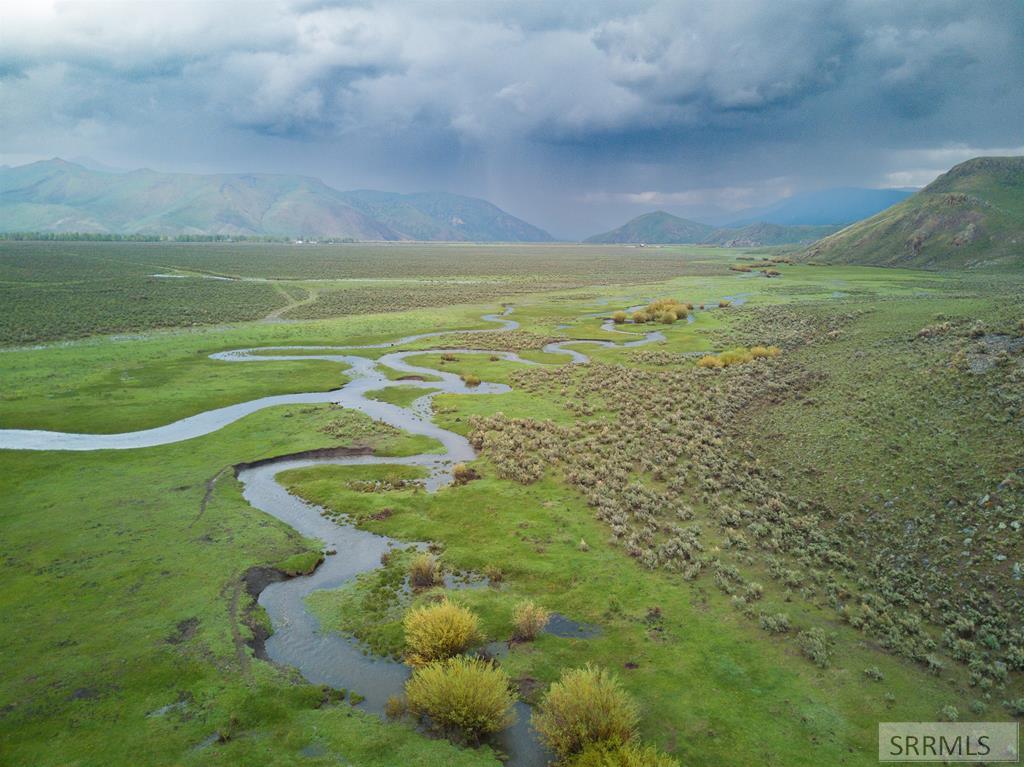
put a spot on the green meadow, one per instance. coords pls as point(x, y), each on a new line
point(889, 427)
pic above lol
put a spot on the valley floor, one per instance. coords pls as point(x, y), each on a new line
point(778, 554)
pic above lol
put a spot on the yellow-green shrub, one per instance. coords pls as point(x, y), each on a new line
point(735, 356)
point(622, 755)
point(619, 317)
point(528, 620)
point(738, 356)
point(640, 317)
point(470, 380)
point(663, 304)
point(396, 706)
point(468, 695)
point(663, 307)
point(462, 474)
point(439, 631)
point(423, 571)
point(710, 361)
point(587, 705)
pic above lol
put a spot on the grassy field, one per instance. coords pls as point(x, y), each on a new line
point(63, 290)
point(865, 483)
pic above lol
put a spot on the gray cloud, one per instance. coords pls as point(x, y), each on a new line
point(572, 114)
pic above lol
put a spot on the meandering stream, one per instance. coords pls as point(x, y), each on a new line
point(325, 658)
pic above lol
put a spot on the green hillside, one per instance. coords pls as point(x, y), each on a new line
point(971, 216)
point(58, 196)
point(762, 233)
point(664, 228)
point(657, 227)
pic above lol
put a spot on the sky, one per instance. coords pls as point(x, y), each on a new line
point(573, 115)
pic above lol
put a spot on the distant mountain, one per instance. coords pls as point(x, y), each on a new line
point(763, 233)
point(665, 229)
point(971, 216)
point(443, 216)
point(825, 207)
point(59, 196)
point(657, 227)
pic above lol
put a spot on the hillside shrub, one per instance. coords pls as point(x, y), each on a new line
point(587, 705)
point(470, 696)
point(619, 317)
point(874, 674)
point(439, 631)
point(816, 645)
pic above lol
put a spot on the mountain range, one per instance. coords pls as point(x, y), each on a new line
point(973, 215)
point(970, 216)
point(841, 205)
point(660, 227)
point(60, 196)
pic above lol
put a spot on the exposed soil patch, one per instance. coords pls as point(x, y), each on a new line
point(321, 452)
point(184, 631)
point(256, 579)
point(211, 483)
point(411, 378)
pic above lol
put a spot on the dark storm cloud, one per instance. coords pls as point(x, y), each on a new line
point(572, 114)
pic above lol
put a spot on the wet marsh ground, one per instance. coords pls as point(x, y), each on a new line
point(124, 592)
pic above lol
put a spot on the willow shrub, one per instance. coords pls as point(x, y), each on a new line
point(424, 571)
point(619, 317)
point(735, 356)
point(622, 755)
point(587, 705)
point(467, 695)
point(710, 361)
point(738, 356)
point(529, 620)
point(439, 631)
point(461, 474)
